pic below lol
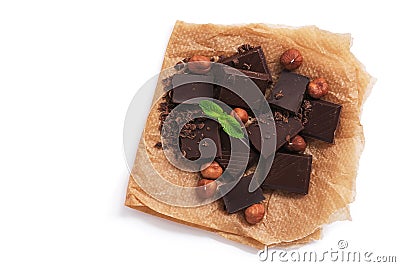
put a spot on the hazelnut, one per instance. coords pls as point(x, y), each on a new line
point(254, 213)
point(199, 64)
point(297, 144)
point(318, 88)
point(206, 188)
point(240, 114)
point(291, 59)
point(211, 171)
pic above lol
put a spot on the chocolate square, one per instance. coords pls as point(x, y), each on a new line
point(242, 159)
point(284, 130)
point(240, 198)
point(242, 82)
point(188, 86)
point(191, 137)
point(290, 173)
point(252, 60)
point(322, 120)
point(289, 91)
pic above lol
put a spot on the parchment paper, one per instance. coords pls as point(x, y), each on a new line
point(290, 219)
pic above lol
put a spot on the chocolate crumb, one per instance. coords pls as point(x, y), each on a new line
point(246, 66)
point(214, 58)
point(278, 95)
point(192, 135)
point(158, 145)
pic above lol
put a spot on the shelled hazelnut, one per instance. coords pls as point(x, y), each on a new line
point(211, 171)
point(254, 213)
point(241, 114)
point(291, 59)
point(199, 64)
point(318, 88)
point(296, 144)
point(206, 188)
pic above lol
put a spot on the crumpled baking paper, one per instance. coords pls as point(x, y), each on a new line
point(290, 219)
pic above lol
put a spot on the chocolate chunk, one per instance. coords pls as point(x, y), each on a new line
point(284, 130)
point(289, 91)
point(252, 60)
point(239, 197)
point(245, 156)
point(242, 84)
point(192, 135)
point(290, 173)
point(322, 120)
point(188, 86)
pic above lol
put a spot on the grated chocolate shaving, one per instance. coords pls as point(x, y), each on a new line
point(244, 48)
point(281, 116)
point(305, 110)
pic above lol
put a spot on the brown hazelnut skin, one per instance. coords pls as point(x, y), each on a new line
point(199, 64)
point(297, 144)
point(211, 171)
point(254, 213)
point(318, 88)
point(240, 114)
point(206, 188)
point(291, 59)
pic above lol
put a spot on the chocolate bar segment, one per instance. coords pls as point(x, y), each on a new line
point(252, 60)
point(192, 134)
point(239, 197)
point(289, 91)
point(285, 129)
point(188, 86)
point(322, 120)
point(290, 173)
point(245, 156)
point(243, 86)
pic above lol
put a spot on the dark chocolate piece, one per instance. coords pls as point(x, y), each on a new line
point(245, 156)
point(322, 120)
point(290, 173)
point(192, 134)
point(289, 91)
point(252, 60)
point(284, 130)
point(242, 84)
point(239, 197)
point(188, 86)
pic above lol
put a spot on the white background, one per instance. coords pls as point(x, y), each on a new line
point(68, 71)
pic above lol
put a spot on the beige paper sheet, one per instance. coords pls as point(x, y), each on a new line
point(290, 219)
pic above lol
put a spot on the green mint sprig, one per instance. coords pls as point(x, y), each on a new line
point(229, 124)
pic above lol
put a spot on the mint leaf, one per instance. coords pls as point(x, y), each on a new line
point(211, 109)
point(231, 126)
